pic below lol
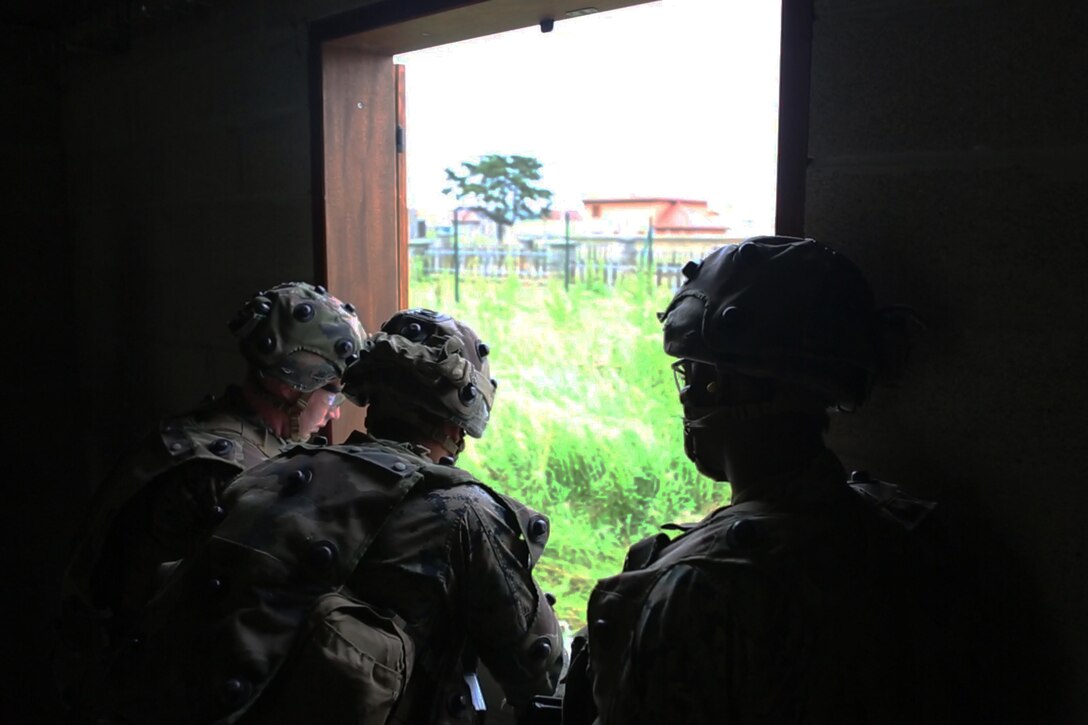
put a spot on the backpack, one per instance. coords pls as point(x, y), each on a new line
point(265, 600)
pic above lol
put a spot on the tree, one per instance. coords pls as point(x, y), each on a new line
point(502, 188)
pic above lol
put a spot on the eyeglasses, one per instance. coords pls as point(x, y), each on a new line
point(681, 375)
point(695, 392)
point(334, 396)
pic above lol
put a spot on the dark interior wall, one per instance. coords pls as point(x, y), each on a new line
point(156, 171)
point(948, 156)
point(189, 184)
point(38, 370)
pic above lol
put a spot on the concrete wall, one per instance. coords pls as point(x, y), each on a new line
point(948, 157)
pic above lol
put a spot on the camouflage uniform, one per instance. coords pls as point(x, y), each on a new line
point(802, 606)
point(811, 599)
point(162, 498)
point(456, 564)
point(349, 581)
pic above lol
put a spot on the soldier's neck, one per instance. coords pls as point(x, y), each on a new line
point(429, 445)
point(270, 411)
point(763, 455)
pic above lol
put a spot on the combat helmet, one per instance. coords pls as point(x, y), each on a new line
point(300, 334)
point(424, 367)
point(779, 308)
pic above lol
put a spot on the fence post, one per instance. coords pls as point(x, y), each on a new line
point(650, 244)
point(456, 257)
point(566, 253)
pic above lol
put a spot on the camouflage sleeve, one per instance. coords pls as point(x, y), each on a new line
point(164, 523)
point(509, 620)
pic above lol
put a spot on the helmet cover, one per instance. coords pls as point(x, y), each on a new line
point(425, 362)
point(299, 333)
point(779, 308)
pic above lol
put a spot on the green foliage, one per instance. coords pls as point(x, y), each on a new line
point(502, 188)
point(586, 426)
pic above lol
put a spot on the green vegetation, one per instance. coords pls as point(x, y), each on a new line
point(586, 426)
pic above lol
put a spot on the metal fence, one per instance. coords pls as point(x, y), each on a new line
point(581, 259)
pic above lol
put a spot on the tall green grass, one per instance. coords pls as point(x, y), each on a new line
point(586, 426)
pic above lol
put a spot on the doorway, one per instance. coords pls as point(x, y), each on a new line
point(363, 155)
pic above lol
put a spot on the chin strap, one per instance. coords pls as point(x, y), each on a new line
point(293, 410)
point(449, 445)
point(294, 419)
point(692, 450)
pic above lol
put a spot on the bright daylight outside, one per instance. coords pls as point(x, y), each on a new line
point(557, 183)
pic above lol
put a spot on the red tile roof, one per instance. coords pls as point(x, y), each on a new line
point(678, 216)
point(469, 216)
point(645, 200)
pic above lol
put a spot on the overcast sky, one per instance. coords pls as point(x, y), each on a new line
point(675, 98)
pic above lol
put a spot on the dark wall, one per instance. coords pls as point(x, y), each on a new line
point(948, 157)
point(37, 387)
point(189, 187)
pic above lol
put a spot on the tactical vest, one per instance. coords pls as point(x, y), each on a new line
point(751, 537)
point(266, 595)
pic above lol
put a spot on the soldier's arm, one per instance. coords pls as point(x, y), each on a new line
point(509, 620)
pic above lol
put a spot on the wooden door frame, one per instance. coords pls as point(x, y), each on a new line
point(794, 85)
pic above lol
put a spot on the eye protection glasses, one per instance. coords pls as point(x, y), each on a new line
point(692, 391)
point(334, 398)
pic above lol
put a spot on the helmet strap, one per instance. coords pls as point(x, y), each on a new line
point(291, 409)
point(294, 418)
point(422, 426)
point(454, 448)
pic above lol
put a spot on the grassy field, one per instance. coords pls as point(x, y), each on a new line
point(586, 426)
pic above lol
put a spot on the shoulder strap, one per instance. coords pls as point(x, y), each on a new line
point(893, 503)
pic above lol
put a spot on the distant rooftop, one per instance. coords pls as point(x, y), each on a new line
point(646, 200)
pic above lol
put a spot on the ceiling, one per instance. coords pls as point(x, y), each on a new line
point(471, 19)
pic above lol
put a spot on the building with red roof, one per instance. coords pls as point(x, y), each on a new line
point(672, 217)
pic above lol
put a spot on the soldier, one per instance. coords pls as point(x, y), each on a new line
point(358, 582)
point(811, 598)
point(163, 497)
